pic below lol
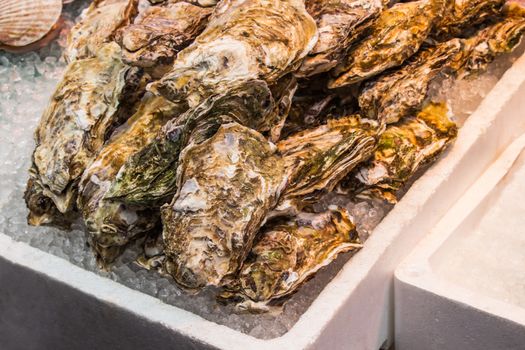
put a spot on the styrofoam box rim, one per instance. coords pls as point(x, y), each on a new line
point(315, 328)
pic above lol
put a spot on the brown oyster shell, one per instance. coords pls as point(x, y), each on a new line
point(401, 93)
point(84, 109)
point(227, 185)
point(98, 26)
point(287, 254)
point(244, 40)
point(339, 23)
point(161, 32)
point(396, 35)
point(404, 148)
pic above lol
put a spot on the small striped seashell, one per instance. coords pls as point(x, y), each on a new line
point(23, 22)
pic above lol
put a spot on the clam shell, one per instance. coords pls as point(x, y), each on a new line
point(23, 22)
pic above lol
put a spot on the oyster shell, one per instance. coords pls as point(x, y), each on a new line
point(227, 185)
point(23, 22)
point(283, 92)
point(317, 159)
point(149, 175)
point(404, 148)
point(43, 211)
point(402, 93)
point(287, 254)
point(499, 38)
point(339, 24)
point(161, 32)
point(396, 35)
point(100, 23)
point(111, 224)
point(83, 111)
point(463, 14)
point(244, 40)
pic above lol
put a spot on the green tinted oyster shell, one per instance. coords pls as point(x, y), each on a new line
point(396, 35)
point(402, 93)
point(149, 175)
point(287, 254)
point(161, 32)
point(98, 27)
point(244, 40)
point(405, 147)
point(111, 224)
point(83, 111)
point(227, 185)
point(317, 159)
point(339, 24)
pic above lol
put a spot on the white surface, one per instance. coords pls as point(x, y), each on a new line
point(490, 258)
point(463, 287)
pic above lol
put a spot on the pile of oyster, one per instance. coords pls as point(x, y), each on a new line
point(213, 130)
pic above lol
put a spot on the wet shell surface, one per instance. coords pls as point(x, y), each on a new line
point(23, 22)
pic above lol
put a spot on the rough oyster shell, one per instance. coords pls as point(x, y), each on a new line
point(244, 40)
point(99, 25)
point(287, 254)
point(339, 24)
point(405, 147)
point(149, 176)
point(396, 35)
point(462, 14)
point(161, 32)
point(84, 109)
point(227, 185)
point(317, 159)
point(402, 93)
point(23, 22)
point(112, 224)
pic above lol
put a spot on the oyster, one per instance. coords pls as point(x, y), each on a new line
point(84, 109)
point(99, 25)
point(111, 224)
point(287, 254)
point(149, 175)
point(494, 40)
point(462, 14)
point(244, 40)
point(396, 35)
point(227, 185)
point(402, 93)
point(43, 210)
point(339, 23)
point(283, 92)
point(317, 159)
point(161, 32)
point(404, 148)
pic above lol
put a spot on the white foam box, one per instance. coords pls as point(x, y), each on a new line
point(463, 287)
point(48, 303)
